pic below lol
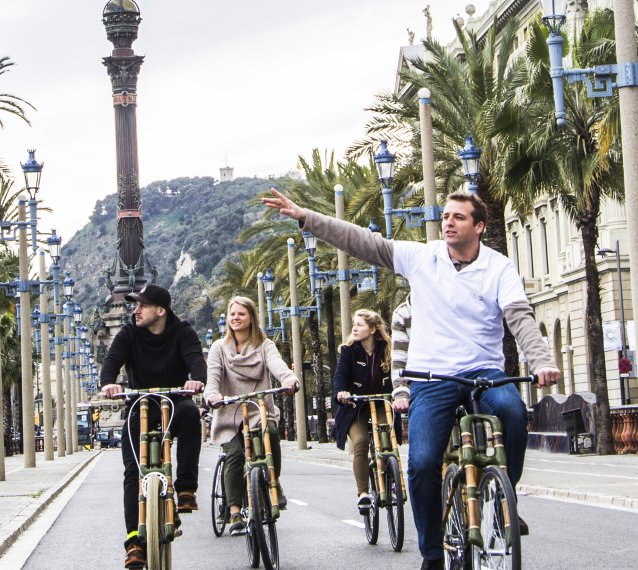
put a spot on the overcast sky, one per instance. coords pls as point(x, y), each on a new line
point(254, 83)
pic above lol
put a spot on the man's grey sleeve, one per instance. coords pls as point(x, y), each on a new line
point(520, 320)
point(354, 240)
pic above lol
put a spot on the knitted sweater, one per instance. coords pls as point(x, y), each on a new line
point(401, 325)
point(231, 374)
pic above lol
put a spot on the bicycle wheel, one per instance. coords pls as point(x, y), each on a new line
point(394, 502)
point(371, 518)
point(455, 544)
point(264, 522)
point(218, 498)
point(158, 553)
point(499, 523)
point(252, 546)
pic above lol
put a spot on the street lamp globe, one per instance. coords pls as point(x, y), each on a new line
point(310, 243)
point(67, 286)
point(554, 14)
point(77, 314)
point(209, 338)
point(54, 241)
point(385, 164)
point(470, 157)
point(35, 316)
point(32, 170)
point(269, 283)
point(221, 324)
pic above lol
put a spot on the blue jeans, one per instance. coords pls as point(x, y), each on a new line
point(431, 416)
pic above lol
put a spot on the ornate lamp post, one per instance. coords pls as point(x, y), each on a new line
point(221, 325)
point(54, 242)
point(470, 157)
point(71, 400)
point(415, 216)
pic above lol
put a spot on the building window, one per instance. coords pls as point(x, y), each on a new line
point(515, 251)
point(544, 251)
point(559, 245)
point(530, 251)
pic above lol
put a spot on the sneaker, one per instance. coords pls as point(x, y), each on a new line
point(135, 555)
point(523, 526)
point(283, 501)
point(432, 564)
point(364, 503)
point(186, 502)
point(237, 525)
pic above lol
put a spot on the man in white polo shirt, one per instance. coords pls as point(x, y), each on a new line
point(461, 291)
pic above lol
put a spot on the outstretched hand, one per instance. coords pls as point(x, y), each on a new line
point(285, 206)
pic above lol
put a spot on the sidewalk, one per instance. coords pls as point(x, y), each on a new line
point(610, 480)
point(27, 492)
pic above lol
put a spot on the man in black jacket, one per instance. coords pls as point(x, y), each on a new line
point(157, 349)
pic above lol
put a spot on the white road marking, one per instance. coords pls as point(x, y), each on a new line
point(354, 523)
point(17, 555)
point(298, 502)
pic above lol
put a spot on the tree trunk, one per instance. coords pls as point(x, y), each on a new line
point(289, 403)
point(328, 311)
point(496, 238)
point(320, 385)
point(594, 331)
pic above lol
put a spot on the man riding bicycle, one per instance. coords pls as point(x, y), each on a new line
point(157, 349)
point(461, 290)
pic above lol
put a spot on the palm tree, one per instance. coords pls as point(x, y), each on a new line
point(471, 94)
point(579, 164)
point(12, 105)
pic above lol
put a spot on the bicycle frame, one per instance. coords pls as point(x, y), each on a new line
point(384, 440)
point(155, 455)
point(468, 447)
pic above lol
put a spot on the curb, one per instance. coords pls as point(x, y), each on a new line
point(594, 499)
point(23, 520)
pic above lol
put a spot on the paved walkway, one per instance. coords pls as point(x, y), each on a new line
point(27, 492)
point(610, 481)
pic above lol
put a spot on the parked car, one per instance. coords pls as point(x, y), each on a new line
point(107, 439)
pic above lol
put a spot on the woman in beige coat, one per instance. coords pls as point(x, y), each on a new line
point(243, 361)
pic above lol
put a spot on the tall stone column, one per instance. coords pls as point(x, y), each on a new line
point(121, 19)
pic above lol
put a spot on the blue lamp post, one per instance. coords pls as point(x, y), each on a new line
point(470, 157)
point(54, 242)
point(268, 281)
point(209, 338)
point(414, 217)
point(600, 80)
point(221, 325)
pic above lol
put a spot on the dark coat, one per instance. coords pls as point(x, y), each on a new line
point(155, 360)
point(352, 376)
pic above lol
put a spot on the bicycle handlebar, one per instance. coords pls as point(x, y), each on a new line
point(366, 397)
point(153, 392)
point(233, 399)
point(413, 375)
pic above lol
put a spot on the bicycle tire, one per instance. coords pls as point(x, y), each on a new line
point(371, 518)
point(218, 498)
point(252, 546)
point(158, 553)
point(455, 541)
point(394, 502)
point(497, 509)
point(264, 521)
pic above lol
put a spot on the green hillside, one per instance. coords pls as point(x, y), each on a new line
point(190, 226)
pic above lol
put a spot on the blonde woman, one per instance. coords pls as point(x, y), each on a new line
point(363, 368)
point(243, 361)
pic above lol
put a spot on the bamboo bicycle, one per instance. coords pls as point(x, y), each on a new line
point(262, 498)
point(480, 517)
point(387, 486)
point(157, 521)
